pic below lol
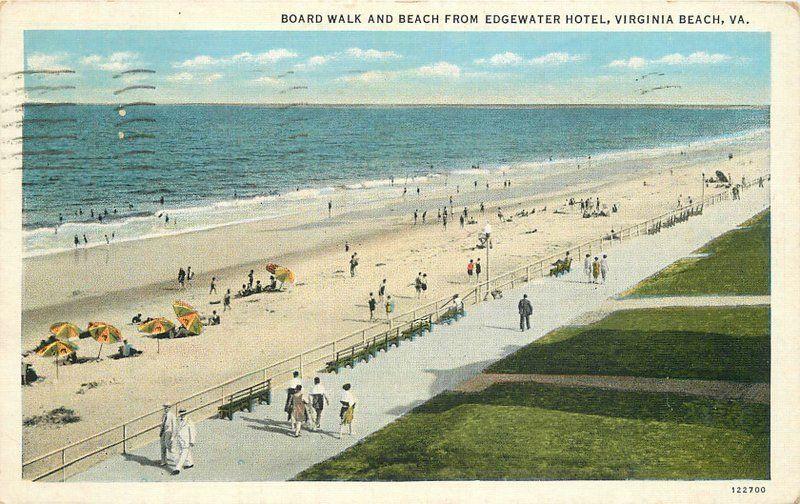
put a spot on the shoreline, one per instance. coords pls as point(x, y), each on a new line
point(293, 202)
point(326, 302)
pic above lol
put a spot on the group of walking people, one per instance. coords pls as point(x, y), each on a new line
point(595, 270)
point(306, 409)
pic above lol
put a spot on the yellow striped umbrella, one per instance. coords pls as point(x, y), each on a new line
point(65, 331)
point(155, 327)
point(103, 333)
point(188, 317)
point(282, 274)
point(158, 325)
point(57, 349)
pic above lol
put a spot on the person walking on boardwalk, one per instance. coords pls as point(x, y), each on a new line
point(587, 268)
point(297, 411)
point(168, 433)
point(226, 301)
point(389, 306)
point(382, 291)
point(372, 305)
point(525, 310)
point(595, 270)
point(348, 402)
point(319, 399)
point(186, 441)
point(470, 270)
point(290, 390)
point(604, 267)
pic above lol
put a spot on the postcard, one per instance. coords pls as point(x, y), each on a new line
point(400, 251)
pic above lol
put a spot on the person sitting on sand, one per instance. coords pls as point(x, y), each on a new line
point(127, 350)
point(214, 319)
point(273, 284)
point(137, 319)
point(258, 286)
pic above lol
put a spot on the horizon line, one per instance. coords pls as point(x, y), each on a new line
point(506, 105)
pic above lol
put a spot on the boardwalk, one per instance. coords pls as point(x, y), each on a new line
point(257, 446)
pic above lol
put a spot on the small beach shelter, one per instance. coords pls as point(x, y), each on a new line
point(57, 349)
point(155, 327)
point(65, 331)
point(103, 333)
point(188, 317)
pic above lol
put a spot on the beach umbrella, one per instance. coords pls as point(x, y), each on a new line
point(281, 273)
point(156, 326)
point(65, 331)
point(57, 349)
point(103, 333)
point(188, 317)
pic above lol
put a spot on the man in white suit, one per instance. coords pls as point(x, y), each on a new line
point(186, 439)
point(169, 430)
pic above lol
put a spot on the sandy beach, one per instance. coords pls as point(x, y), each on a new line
point(113, 283)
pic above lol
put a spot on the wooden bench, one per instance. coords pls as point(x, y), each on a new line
point(246, 399)
point(364, 351)
point(561, 267)
point(451, 315)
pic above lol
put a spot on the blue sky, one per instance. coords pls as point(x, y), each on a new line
point(405, 67)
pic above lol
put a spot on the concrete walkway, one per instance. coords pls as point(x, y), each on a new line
point(256, 446)
point(658, 302)
point(753, 392)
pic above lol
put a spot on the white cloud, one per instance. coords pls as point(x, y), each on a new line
point(556, 58)
point(512, 59)
point(368, 77)
point(41, 61)
point(115, 62)
point(696, 58)
point(633, 62)
point(198, 61)
point(352, 53)
point(180, 77)
point(371, 54)
point(272, 81)
point(212, 77)
point(502, 59)
point(440, 69)
point(270, 56)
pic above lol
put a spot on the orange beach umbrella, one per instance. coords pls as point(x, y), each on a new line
point(103, 333)
point(65, 331)
point(57, 349)
point(188, 317)
point(282, 274)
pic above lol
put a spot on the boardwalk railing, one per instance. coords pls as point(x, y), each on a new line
point(61, 464)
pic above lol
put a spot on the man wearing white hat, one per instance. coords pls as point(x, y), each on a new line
point(186, 438)
point(169, 430)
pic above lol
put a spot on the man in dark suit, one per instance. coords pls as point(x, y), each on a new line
point(525, 311)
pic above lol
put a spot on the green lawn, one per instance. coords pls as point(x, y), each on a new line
point(534, 431)
point(738, 264)
point(712, 343)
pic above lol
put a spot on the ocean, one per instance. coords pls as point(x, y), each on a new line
point(219, 164)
